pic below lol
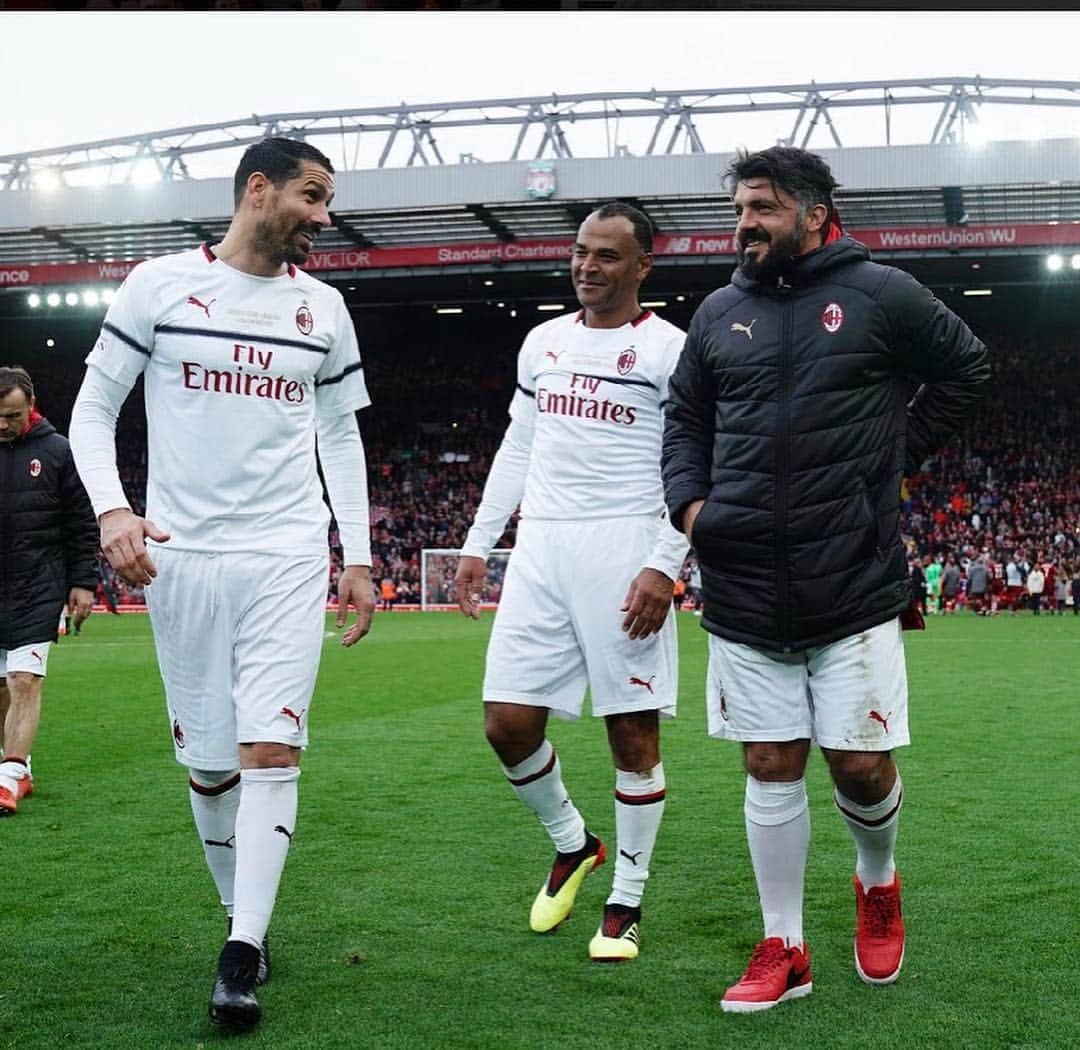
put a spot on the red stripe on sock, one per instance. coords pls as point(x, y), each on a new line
point(871, 823)
point(218, 789)
point(535, 776)
point(641, 800)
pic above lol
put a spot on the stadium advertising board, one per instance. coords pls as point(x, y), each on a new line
point(707, 243)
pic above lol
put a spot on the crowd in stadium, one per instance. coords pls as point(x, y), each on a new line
point(1007, 490)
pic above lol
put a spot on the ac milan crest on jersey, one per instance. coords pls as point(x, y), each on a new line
point(625, 363)
point(832, 318)
point(35, 467)
point(304, 320)
point(177, 733)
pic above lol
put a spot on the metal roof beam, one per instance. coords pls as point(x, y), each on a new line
point(956, 99)
point(501, 230)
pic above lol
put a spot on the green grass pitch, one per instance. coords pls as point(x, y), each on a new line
point(402, 918)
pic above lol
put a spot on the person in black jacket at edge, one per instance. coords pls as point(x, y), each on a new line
point(790, 426)
point(48, 556)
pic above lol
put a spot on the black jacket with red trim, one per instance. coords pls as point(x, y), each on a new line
point(791, 414)
point(48, 535)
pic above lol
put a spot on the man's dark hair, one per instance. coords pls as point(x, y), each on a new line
point(279, 159)
point(798, 172)
point(643, 227)
point(12, 377)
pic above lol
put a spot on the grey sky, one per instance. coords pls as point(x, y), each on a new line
point(77, 77)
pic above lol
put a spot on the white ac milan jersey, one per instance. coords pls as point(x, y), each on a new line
point(594, 398)
point(237, 368)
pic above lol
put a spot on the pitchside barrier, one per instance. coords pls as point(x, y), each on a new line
point(437, 569)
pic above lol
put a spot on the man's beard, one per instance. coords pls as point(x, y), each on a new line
point(280, 249)
point(781, 250)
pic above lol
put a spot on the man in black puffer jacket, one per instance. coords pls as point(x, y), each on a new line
point(790, 425)
point(48, 556)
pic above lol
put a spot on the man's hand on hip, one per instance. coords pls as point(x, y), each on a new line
point(123, 541)
point(647, 603)
point(469, 584)
point(354, 588)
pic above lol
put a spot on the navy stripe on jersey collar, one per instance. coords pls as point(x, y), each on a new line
point(210, 257)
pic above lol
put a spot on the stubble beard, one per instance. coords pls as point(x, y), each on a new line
point(278, 250)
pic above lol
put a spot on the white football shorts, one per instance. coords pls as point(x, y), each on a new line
point(558, 627)
point(33, 659)
point(849, 695)
point(238, 639)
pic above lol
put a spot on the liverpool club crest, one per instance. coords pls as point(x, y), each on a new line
point(540, 183)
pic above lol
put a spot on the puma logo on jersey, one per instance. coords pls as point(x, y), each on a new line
point(634, 680)
point(289, 713)
point(877, 717)
point(554, 356)
point(205, 307)
point(746, 329)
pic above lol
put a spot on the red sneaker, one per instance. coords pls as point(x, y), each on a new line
point(25, 787)
point(879, 932)
point(776, 973)
point(8, 805)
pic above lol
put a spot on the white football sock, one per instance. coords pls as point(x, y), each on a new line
point(537, 781)
point(215, 797)
point(639, 807)
point(874, 830)
point(12, 770)
point(778, 832)
point(265, 821)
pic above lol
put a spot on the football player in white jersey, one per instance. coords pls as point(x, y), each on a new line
point(588, 593)
point(248, 364)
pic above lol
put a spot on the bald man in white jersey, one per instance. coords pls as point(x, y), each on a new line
point(588, 593)
point(248, 364)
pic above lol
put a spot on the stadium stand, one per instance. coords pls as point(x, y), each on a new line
point(1009, 486)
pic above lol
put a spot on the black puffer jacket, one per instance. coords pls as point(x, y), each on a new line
point(789, 415)
point(48, 535)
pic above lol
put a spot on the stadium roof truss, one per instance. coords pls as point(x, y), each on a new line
point(409, 195)
point(545, 126)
